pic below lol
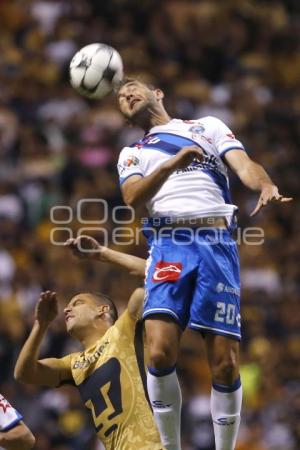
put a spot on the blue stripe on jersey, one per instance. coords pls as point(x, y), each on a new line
point(123, 179)
point(166, 142)
point(234, 147)
point(221, 182)
point(15, 422)
point(174, 139)
point(171, 144)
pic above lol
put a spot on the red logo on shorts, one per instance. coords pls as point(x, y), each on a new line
point(166, 271)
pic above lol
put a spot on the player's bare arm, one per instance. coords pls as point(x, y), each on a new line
point(29, 368)
point(17, 438)
point(136, 303)
point(255, 177)
point(137, 190)
point(86, 247)
point(135, 265)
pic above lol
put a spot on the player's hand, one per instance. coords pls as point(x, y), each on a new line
point(86, 247)
point(185, 157)
point(47, 308)
point(269, 194)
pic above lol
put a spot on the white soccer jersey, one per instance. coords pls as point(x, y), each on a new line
point(9, 416)
point(201, 189)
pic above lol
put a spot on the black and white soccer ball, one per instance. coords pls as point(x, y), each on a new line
point(95, 70)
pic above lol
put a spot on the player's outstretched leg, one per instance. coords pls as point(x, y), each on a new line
point(226, 394)
point(163, 336)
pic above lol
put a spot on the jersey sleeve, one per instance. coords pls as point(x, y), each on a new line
point(126, 324)
point(224, 139)
point(9, 416)
point(129, 163)
point(64, 367)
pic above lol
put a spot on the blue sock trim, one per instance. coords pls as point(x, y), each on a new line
point(161, 372)
point(227, 389)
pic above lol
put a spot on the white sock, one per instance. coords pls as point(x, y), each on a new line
point(225, 411)
point(165, 397)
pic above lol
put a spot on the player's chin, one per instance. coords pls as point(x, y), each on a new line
point(70, 326)
point(137, 112)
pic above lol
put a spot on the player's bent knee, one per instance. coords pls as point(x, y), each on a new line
point(226, 371)
point(163, 337)
point(162, 358)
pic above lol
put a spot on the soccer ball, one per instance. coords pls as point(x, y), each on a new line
point(95, 70)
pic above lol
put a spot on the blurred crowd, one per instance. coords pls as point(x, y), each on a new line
point(239, 61)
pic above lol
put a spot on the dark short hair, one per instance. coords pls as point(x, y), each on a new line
point(131, 80)
point(103, 299)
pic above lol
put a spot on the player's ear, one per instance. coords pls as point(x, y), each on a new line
point(159, 94)
point(102, 309)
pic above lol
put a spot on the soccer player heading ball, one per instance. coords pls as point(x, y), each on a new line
point(179, 171)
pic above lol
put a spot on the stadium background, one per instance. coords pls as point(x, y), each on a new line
point(239, 61)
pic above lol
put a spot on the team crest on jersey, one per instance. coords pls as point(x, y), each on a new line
point(132, 160)
point(197, 129)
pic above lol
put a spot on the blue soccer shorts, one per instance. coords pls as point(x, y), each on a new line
point(195, 280)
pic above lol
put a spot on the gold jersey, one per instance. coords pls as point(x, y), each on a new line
point(111, 379)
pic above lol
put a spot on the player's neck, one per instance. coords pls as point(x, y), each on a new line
point(159, 117)
point(93, 334)
point(153, 117)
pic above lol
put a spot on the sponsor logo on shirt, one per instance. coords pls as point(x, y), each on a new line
point(206, 139)
point(229, 289)
point(87, 361)
point(210, 162)
point(166, 271)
